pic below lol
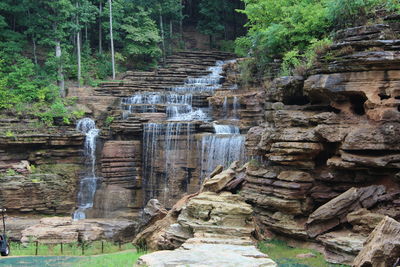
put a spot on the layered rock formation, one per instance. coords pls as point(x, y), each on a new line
point(208, 228)
point(331, 140)
point(65, 230)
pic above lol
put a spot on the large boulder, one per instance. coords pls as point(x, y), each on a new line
point(55, 230)
point(382, 248)
point(211, 255)
point(335, 211)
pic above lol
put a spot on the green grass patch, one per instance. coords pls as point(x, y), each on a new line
point(122, 259)
point(285, 256)
point(74, 249)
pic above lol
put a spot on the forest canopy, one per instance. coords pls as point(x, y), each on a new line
point(295, 31)
point(46, 46)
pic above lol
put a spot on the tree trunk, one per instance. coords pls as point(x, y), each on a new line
point(100, 28)
point(170, 36)
point(162, 35)
point(181, 27)
point(112, 42)
point(60, 78)
point(34, 50)
point(86, 33)
point(78, 48)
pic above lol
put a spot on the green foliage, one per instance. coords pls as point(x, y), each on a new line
point(72, 249)
point(109, 120)
point(242, 46)
point(342, 13)
point(11, 172)
point(227, 46)
point(297, 32)
point(285, 255)
point(141, 39)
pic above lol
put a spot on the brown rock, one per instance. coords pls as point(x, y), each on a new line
point(341, 246)
point(335, 211)
point(295, 176)
point(382, 248)
point(364, 221)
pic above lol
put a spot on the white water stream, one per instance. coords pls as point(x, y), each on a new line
point(88, 183)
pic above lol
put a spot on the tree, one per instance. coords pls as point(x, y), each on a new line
point(112, 40)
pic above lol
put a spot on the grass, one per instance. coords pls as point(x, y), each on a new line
point(122, 259)
point(285, 256)
point(74, 249)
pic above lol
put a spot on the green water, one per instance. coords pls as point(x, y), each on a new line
point(38, 261)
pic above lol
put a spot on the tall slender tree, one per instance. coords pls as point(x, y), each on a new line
point(112, 40)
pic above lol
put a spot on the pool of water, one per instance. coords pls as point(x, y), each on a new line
point(38, 261)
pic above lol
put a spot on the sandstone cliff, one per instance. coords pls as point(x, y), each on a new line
point(332, 147)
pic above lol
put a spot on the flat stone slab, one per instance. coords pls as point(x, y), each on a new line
point(208, 255)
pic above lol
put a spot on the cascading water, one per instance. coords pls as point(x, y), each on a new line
point(88, 184)
point(236, 106)
point(221, 148)
point(162, 145)
point(167, 147)
point(205, 84)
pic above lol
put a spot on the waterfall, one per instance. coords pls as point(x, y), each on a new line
point(163, 150)
point(88, 183)
point(225, 108)
point(221, 148)
point(236, 106)
point(205, 84)
point(168, 151)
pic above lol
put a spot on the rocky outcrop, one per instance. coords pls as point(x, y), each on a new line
point(51, 191)
point(335, 211)
point(382, 248)
point(65, 230)
point(327, 151)
point(208, 221)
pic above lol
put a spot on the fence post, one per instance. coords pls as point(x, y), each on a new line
point(83, 248)
point(102, 246)
point(62, 252)
point(36, 252)
point(119, 245)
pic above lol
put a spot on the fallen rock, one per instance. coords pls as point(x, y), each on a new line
point(341, 246)
point(55, 230)
point(164, 233)
point(152, 212)
point(335, 211)
point(382, 248)
point(223, 216)
point(364, 221)
point(306, 255)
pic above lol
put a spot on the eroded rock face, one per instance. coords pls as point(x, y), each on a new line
point(335, 211)
point(51, 192)
point(382, 248)
point(212, 228)
point(329, 146)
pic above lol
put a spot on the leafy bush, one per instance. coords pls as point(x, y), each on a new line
point(297, 32)
point(344, 13)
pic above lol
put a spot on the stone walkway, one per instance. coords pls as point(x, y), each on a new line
point(210, 255)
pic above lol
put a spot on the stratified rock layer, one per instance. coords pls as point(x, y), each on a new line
point(214, 228)
point(331, 143)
